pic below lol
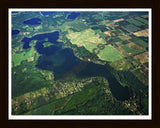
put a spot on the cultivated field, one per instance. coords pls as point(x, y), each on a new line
point(142, 33)
point(122, 64)
point(86, 38)
point(109, 53)
point(90, 40)
point(142, 58)
point(135, 22)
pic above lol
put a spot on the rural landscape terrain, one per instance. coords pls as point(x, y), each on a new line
point(80, 63)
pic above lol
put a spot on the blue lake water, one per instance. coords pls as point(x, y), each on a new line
point(33, 21)
point(61, 61)
point(46, 50)
point(92, 69)
point(73, 15)
point(15, 32)
point(14, 11)
point(65, 12)
point(45, 13)
point(52, 37)
point(26, 42)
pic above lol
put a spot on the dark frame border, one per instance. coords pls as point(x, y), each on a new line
point(154, 4)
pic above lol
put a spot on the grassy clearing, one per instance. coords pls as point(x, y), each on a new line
point(110, 54)
point(86, 38)
point(75, 24)
point(19, 57)
point(122, 64)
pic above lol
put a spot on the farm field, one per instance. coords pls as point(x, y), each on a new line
point(121, 64)
point(109, 53)
point(142, 33)
point(132, 28)
point(86, 38)
point(142, 20)
point(139, 42)
point(142, 58)
point(127, 49)
point(135, 22)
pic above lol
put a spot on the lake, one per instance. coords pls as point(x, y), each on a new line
point(62, 60)
point(32, 21)
point(52, 37)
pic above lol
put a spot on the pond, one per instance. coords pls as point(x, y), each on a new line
point(62, 60)
point(15, 32)
point(32, 21)
point(73, 15)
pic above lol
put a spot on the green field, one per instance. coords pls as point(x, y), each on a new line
point(73, 25)
point(100, 33)
point(127, 49)
point(142, 20)
point(133, 21)
point(90, 40)
point(132, 28)
point(86, 38)
point(125, 42)
point(110, 54)
point(122, 64)
point(19, 57)
point(139, 42)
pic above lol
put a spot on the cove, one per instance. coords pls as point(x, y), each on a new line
point(62, 60)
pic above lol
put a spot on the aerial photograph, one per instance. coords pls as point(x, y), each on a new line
point(79, 62)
